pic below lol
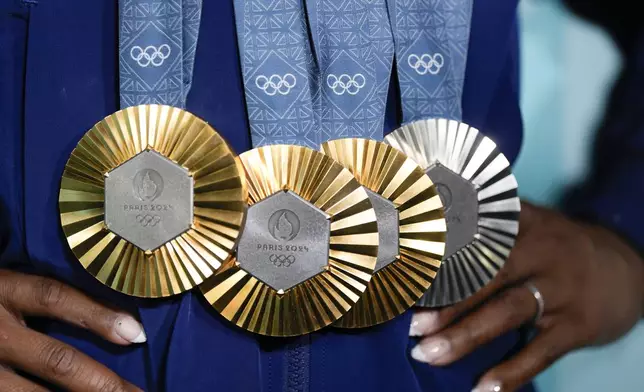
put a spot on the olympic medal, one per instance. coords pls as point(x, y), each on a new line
point(152, 201)
point(482, 207)
point(308, 249)
point(411, 228)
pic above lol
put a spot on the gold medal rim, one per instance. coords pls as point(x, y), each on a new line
point(391, 174)
point(321, 300)
point(219, 207)
point(467, 155)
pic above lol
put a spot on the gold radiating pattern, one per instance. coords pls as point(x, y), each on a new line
point(251, 304)
point(474, 157)
point(388, 172)
point(219, 201)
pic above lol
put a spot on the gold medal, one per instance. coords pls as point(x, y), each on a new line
point(479, 192)
point(411, 228)
point(308, 249)
point(152, 200)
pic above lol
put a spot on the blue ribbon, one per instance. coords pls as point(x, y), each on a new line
point(354, 52)
point(316, 70)
point(157, 43)
point(279, 72)
point(431, 39)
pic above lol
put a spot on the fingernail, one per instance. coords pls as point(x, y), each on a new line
point(130, 329)
point(430, 351)
point(423, 323)
point(488, 386)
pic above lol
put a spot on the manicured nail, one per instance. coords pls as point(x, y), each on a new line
point(423, 323)
point(488, 386)
point(130, 329)
point(431, 351)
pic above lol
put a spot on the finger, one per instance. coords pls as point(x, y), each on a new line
point(529, 216)
point(428, 321)
point(425, 322)
point(542, 352)
point(11, 382)
point(507, 311)
point(522, 264)
point(39, 296)
point(56, 362)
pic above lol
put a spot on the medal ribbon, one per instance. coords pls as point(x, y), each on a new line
point(354, 52)
point(157, 43)
point(431, 39)
point(305, 91)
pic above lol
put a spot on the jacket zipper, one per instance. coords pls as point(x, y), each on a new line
point(297, 364)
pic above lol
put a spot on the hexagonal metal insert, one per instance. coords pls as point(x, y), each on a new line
point(285, 241)
point(148, 200)
point(388, 229)
point(461, 207)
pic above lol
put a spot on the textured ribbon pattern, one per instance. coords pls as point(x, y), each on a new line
point(279, 71)
point(354, 51)
point(431, 39)
point(157, 43)
point(305, 91)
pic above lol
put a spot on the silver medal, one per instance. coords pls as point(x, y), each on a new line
point(479, 192)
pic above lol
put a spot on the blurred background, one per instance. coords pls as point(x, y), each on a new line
point(568, 68)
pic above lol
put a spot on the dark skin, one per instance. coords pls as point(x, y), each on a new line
point(591, 281)
point(46, 358)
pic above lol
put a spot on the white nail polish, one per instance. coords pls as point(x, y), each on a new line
point(488, 386)
point(418, 354)
point(130, 329)
point(141, 338)
point(431, 351)
point(414, 329)
point(423, 323)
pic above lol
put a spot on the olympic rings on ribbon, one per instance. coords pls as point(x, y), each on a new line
point(346, 84)
point(426, 63)
point(151, 55)
point(276, 83)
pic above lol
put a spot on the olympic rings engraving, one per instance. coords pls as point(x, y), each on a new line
point(148, 220)
point(151, 55)
point(282, 260)
point(426, 63)
point(346, 84)
point(276, 83)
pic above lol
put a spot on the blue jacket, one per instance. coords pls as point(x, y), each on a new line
point(59, 76)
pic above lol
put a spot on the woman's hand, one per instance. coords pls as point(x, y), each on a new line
point(46, 358)
point(591, 283)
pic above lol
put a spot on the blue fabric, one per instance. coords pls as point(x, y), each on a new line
point(48, 101)
point(157, 43)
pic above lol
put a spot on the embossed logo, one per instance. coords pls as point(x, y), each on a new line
point(284, 225)
point(281, 260)
point(445, 195)
point(148, 220)
point(148, 185)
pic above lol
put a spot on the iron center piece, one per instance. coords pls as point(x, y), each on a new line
point(285, 241)
point(460, 200)
point(148, 200)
